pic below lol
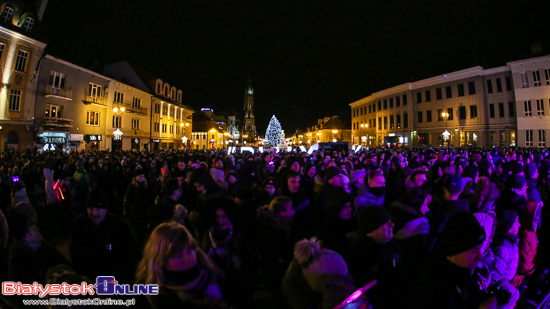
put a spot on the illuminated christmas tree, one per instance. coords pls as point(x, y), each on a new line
point(273, 132)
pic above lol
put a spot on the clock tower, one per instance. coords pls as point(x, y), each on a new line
point(249, 123)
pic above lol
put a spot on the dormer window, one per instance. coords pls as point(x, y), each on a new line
point(7, 15)
point(173, 97)
point(179, 96)
point(27, 26)
point(159, 86)
point(166, 90)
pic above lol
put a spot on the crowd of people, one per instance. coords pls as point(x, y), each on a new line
point(423, 228)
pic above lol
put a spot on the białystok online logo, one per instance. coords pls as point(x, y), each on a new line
point(105, 285)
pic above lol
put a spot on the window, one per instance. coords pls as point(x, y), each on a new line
point(536, 78)
point(405, 120)
point(471, 88)
point(527, 108)
point(501, 110)
point(404, 99)
point(398, 120)
point(136, 102)
point(178, 114)
point(438, 94)
point(7, 14)
point(27, 26)
point(460, 88)
point(92, 118)
point(529, 138)
point(53, 111)
point(542, 138)
point(159, 86)
point(419, 117)
point(491, 110)
point(449, 92)
point(117, 121)
point(489, 86)
point(165, 110)
point(385, 123)
point(379, 105)
point(499, 85)
point(391, 102)
point(370, 108)
point(135, 124)
point(524, 80)
point(428, 96)
point(361, 109)
point(439, 115)
point(508, 81)
point(166, 90)
point(157, 108)
point(173, 94)
point(119, 97)
point(379, 123)
point(164, 128)
point(15, 100)
point(157, 127)
point(502, 138)
point(21, 62)
point(391, 123)
point(451, 114)
point(2, 46)
point(428, 116)
point(462, 112)
point(397, 101)
point(57, 80)
point(473, 111)
point(95, 91)
point(540, 107)
point(385, 104)
point(172, 111)
point(546, 73)
point(419, 97)
point(171, 129)
point(178, 130)
point(511, 109)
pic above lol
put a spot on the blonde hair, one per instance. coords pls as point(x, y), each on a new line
point(166, 241)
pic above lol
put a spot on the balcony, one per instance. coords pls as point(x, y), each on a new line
point(131, 109)
point(97, 100)
point(57, 93)
point(57, 122)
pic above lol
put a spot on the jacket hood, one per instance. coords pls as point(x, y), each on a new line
point(48, 174)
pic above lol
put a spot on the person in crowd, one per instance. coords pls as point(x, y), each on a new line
point(371, 193)
point(339, 220)
point(268, 191)
point(333, 178)
point(186, 276)
point(357, 178)
point(101, 243)
point(316, 270)
point(528, 242)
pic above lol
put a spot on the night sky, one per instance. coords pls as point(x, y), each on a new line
point(306, 59)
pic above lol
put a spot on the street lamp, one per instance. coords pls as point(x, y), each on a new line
point(446, 134)
point(364, 126)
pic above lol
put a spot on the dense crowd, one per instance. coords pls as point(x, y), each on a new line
point(429, 228)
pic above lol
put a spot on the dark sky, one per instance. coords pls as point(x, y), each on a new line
point(306, 59)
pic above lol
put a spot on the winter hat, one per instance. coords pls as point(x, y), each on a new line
point(460, 233)
point(17, 186)
point(319, 265)
point(336, 198)
point(470, 171)
point(217, 174)
point(506, 220)
point(517, 168)
point(139, 172)
point(96, 199)
point(453, 183)
point(371, 218)
point(234, 174)
point(534, 195)
point(486, 222)
point(332, 172)
point(357, 174)
point(270, 181)
point(413, 164)
point(530, 170)
point(519, 182)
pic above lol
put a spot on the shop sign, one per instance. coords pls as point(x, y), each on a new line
point(156, 141)
point(93, 138)
point(76, 137)
point(52, 138)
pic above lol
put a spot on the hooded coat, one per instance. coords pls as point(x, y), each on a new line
point(528, 243)
point(365, 199)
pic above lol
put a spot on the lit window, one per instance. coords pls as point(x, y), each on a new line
point(92, 118)
point(7, 14)
point(57, 80)
point(15, 100)
point(21, 62)
point(29, 22)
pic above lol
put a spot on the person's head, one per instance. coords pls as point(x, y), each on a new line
point(488, 224)
point(232, 177)
point(311, 171)
point(453, 186)
point(181, 165)
point(202, 180)
point(375, 222)
point(358, 177)
point(270, 186)
point(520, 183)
point(461, 240)
point(218, 175)
point(376, 179)
point(293, 164)
point(339, 204)
point(418, 177)
point(96, 206)
point(293, 181)
point(169, 248)
point(531, 171)
point(333, 176)
point(139, 175)
point(172, 189)
point(282, 206)
point(346, 184)
point(218, 163)
point(267, 158)
point(222, 219)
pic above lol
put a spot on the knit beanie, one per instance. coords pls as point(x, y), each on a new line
point(517, 168)
point(530, 170)
point(486, 222)
point(506, 220)
point(139, 172)
point(96, 199)
point(461, 232)
point(519, 182)
point(331, 172)
point(470, 171)
point(371, 218)
point(357, 174)
point(336, 198)
point(319, 265)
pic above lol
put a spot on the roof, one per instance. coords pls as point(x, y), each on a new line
point(335, 123)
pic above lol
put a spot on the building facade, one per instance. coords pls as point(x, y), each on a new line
point(327, 130)
point(21, 48)
point(472, 107)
